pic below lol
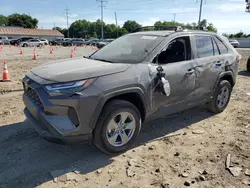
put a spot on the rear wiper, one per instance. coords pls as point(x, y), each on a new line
point(104, 60)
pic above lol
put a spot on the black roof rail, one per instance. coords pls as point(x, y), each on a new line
point(173, 28)
point(156, 28)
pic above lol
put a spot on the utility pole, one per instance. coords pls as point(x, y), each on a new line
point(199, 22)
point(116, 25)
point(174, 16)
point(102, 1)
point(54, 25)
point(67, 17)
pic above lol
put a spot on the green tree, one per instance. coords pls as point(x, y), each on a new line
point(166, 24)
point(225, 35)
point(131, 25)
point(110, 31)
point(22, 20)
point(61, 30)
point(79, 29)
point(239, 35)
point(209, 26)
point(122, 31)
point(3, 20)
point(94, 35)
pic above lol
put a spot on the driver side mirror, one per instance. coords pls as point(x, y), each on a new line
point(159, 69)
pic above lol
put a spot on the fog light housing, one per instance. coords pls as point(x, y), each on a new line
point(73, 116)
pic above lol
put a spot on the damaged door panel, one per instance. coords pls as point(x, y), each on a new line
point(177, 74)
point(207, 66)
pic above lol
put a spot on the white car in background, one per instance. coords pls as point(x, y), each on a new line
point(44, 41)
point(234, 43)
point(31, 42)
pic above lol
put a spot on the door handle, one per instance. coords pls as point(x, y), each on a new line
point(190, 71)
point(219, 63)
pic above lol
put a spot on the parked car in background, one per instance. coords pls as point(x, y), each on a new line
point(58, 41)
point(19, 40)
point(73, 42)
point(103, 42)
point(31, 42)
point(106, 97)
point(5, 40)
point(92, 42)
point(1, 43)
point(234, 43)
point(44, 41)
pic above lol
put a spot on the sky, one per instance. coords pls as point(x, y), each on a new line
point(228, 16)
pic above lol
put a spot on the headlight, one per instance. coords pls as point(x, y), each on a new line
point(69, 87)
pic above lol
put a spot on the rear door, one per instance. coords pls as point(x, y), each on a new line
point(207, 66)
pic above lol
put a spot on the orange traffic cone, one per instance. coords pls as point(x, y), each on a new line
point(34, 56)
point(21, 51)
point(6, 77)
point(71, 54)
point(51, 51)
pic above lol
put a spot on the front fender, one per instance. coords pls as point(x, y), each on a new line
point(116, 93)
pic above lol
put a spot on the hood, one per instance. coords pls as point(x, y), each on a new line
point(74, 69)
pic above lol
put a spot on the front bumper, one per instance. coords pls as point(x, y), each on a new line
point(52, 116)
point(50, 134)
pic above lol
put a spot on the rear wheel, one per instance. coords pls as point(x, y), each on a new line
point(221, 97)
point(25, 45)
point(117, 127)
point(248, 64)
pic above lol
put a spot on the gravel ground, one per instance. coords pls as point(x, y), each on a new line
point(188, 148)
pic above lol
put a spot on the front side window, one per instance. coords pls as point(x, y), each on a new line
point(128, 49)
point(204, 46)
point(178, 50)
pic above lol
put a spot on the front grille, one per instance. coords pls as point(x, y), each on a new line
point(33, 96)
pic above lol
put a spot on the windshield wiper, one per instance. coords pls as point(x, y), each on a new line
point(104, 60)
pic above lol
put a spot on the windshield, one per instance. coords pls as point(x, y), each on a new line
point(128, 49)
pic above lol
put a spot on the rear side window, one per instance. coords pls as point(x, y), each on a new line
point(222, 47)
point(216, 50)
point(204, 46)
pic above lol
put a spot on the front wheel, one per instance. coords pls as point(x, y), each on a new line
point(221, 97)
point(117, 127)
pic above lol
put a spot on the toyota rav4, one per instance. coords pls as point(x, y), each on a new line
point(106, 97)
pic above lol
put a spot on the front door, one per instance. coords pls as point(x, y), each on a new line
point(178, 70)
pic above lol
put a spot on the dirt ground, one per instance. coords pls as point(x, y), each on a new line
point(187, 148)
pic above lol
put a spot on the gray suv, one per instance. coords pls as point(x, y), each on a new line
point(106, 97)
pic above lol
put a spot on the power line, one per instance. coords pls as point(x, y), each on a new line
point(67, 17)
point(102, 6)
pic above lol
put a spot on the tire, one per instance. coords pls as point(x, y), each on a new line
point(213, 105)
point(25, 45)
point(112, 111)
point(248, 64)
